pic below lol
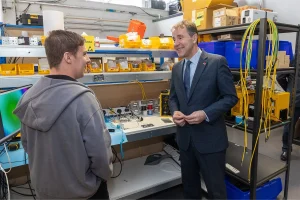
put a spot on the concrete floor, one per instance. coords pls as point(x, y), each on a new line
point(272, 149)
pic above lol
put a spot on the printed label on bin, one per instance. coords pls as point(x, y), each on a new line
point(98, 78)
point(231, 168)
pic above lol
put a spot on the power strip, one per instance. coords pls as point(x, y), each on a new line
point(115, 111)
point(173, 152)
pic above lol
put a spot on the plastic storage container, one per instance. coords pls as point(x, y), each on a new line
point(213, 47)
point(147, 65)
point(162, 43)
point(232, 54)
point(130, 40)
point(9, 69)
point(137, 26)
point(135, 66)
point(111, 66)
point(26, 69)
point(233, 48)
point(269, 191)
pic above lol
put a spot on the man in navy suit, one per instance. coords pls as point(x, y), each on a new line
point(202, 90)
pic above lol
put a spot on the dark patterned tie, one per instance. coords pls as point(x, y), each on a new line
point(187, 79)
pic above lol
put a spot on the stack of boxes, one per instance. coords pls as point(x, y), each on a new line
point(201, 11)
point(283, 60)
point(225, 17)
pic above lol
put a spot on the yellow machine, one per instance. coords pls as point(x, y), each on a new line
point(164, 103)
point(237, 110)
point(280, 105)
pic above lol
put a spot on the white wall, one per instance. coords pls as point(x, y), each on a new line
point(164, 26)
point(117, 21)
point(288, 12)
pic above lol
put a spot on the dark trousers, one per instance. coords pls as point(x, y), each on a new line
point(102, 192)
point(212, 168)
point(286, 130)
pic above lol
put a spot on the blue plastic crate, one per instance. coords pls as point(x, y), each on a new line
point(269, 191)
point(233, 48)
point(232, 54)
point(213, 47)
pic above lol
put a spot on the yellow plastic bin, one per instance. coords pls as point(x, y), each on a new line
point(136, 66)
point(111, 66)
point(148, 66)
point(9, 69)
point(26, 69)
point(130, 41)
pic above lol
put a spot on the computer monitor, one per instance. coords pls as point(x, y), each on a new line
point(9, 123)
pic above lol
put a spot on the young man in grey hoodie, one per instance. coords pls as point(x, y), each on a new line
point(63, 129)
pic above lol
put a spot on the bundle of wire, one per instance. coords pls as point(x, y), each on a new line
point(268, 91)
point(144, 97)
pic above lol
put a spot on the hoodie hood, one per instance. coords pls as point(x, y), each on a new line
point(42, 104)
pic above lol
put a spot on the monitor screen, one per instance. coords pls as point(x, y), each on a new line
point(10, 123)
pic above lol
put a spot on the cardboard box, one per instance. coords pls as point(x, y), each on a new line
point(189, 5)
point(229, 37)
point(283, 60)
point(203, 18)
point(225, 21)
point(225, 17)
point(266, 9)
point(287, 59)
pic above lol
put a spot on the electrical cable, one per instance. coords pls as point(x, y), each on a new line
point(144, 96)
point(268, 91)
point(121, 164)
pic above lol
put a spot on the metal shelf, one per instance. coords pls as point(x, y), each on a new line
point(250, 130)
point(239, 29)
point(296, 141)
point(39, 51)
point(290, 70)
point(267, 168)
point(93, 78)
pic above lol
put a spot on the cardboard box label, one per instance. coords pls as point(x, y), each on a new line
point(89, 43)
point(217, 22)
point(200, 18)
point(219, 13)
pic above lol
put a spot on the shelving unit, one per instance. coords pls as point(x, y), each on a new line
point(266, 168)
point(39, 51)
point(91, 78)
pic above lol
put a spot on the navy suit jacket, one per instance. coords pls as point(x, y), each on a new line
point(212, 91)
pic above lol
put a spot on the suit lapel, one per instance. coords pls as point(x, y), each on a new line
point(202, 63)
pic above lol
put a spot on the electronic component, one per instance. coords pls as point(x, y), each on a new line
point(279, 106)
point(13, 41)
point(250, 15)
point(166, 120)
point(5, 40)
point(164, 103)
point(33, 41)
point(147, 125)
point(33, 20)
point(13, 146)
point(238, 108)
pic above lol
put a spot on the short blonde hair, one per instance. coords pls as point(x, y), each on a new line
point(190, 27)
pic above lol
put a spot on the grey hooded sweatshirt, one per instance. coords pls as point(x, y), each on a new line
point(67, 142)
